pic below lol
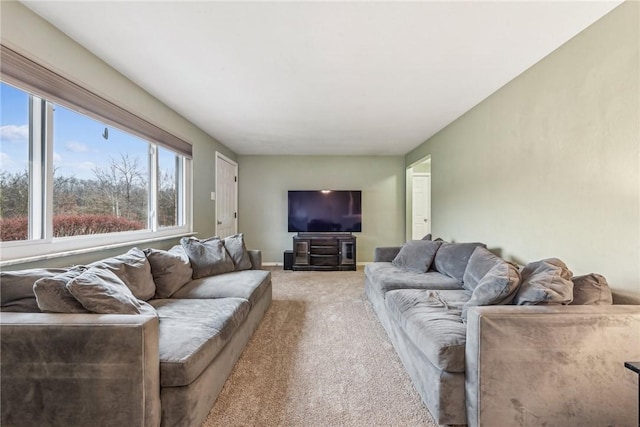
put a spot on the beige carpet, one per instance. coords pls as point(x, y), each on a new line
point(319, 358)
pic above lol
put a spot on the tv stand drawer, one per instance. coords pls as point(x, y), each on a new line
point(323, 259)
point(323, 242)
point(324, 250)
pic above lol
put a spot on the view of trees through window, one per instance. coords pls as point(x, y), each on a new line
point(101, 175)
point(14, 163)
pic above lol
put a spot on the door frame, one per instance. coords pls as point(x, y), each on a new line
point(220, 156)
point(413, 177)
point(409, 196)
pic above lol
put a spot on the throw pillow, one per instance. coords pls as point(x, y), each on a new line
point(171, 270)
point(591, 289)
point(53, 296)
point(427, 237)
point(416, 255)
point(452, 258)
point(16, 293)
point(545, 282)
point(208, 257)
point(134, 270)
point(480, 262)
point(238, 251)
point(100, 290)
point(493, 280)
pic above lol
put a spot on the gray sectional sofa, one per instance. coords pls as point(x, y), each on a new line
point(163, 365)
point(487, 343)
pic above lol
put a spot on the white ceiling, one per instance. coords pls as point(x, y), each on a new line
point(321, 77)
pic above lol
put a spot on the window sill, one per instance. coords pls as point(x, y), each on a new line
point(91, 249)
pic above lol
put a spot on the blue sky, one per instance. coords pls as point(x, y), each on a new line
point(78, 143)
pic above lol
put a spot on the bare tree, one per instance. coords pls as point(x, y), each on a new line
point(14, 194)
point(167, 198)
point(122, 181)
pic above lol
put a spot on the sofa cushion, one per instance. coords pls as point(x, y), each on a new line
point(16, 288)
point(431, 320)
point(452, 258)
point(134, 270)
point(238, 251)
point(247, 284)
point(386, 277)
point(545, 282)
point(100, 290)
point(54, 297)
point(171, 269)
point(208, 257)
point(591, 289)
point(493, 280)
point(416, 255)
point(192, 333)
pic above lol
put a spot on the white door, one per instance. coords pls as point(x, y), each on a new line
point(226, 196)
point(421, 206)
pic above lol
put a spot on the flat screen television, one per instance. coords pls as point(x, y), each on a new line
point(325, 211)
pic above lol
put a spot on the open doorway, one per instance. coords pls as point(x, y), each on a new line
point(419, 199)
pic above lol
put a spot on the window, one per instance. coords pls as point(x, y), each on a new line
point(100, 177)
point(169, 180)
point(70, 179)
point(14, 164)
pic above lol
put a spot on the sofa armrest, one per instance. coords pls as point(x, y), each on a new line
point(256, 259)
point(79, 369)
point(552, 365)
point(385, 254)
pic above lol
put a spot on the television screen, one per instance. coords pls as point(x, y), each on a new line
point(325, 211)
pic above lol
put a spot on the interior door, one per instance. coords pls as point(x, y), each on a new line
point(226, 196)
point(421, 205)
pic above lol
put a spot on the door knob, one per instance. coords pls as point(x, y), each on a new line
point(426, 220)
point(219, 222)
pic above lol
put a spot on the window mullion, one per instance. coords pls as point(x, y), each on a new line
point(179, 191)
point(36, 167)
point(153, 187)
point(48, 109)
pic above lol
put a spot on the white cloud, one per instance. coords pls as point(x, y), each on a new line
point(57, 157)
point(4, 159)
point(14, 133)
point(76, 147)
point(86, 166)
point(9, 164)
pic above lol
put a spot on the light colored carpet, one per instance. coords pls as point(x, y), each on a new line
point(319, 358)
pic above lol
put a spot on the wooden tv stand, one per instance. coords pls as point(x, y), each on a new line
point(324, 252)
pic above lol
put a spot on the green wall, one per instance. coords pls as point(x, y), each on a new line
point(263, 185)
point(27, 33)
point(548, 166)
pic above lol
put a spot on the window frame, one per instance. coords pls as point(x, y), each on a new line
point(41, 243)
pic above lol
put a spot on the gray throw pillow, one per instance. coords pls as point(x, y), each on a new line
point(171, 270)
point(493, 280)
point(238, 251)
point(54, 297)
point(480, 262)
point(591, 289)
point(134, 270)
point(208, 257)
point(427, 237)
point(416, 255)
point(16, 288)
point(100, 290)
point(545, 282)
point(452, 258)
